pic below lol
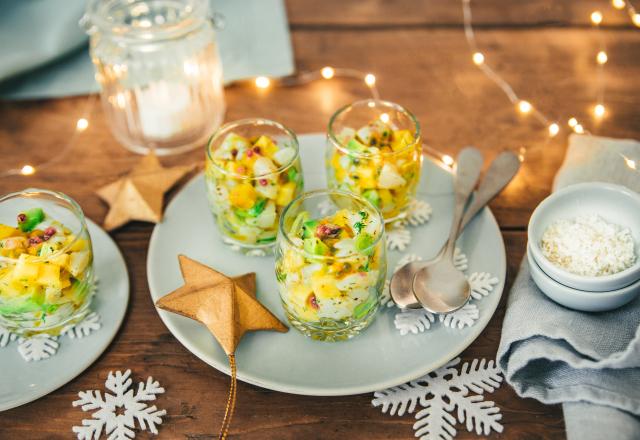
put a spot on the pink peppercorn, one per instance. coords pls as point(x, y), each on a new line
point(50, 231)
point(35, 241)
point(263, 182)
point(249, 153)
point(241, 169)
point(234, 152)
point(22, 218)
point(257, 150)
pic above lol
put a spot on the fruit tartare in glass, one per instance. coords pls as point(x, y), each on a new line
point(46, 262)
point(253, 171)
point(331, 263)
point(374, 149)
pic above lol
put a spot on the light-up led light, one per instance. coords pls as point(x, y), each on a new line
point(478, 58)
point(524, 106)
point(384, 118)
point(578, 129)
point(636, 19)
point(82, 124)
point(596, 17)
point(327, 72)
point(27, 170)
point(370, 79)
point(554, 129)
point(599, 110)
point(572, 122)
point(602, 57)
point(618, 4)
point(262, 82)
point(630, 163)
point(447, 160)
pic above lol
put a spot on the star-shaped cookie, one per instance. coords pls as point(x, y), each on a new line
point(139, 195)
point(226, 306)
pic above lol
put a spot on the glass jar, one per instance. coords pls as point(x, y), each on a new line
point(159, 71)
point(46, 262)
point(253, 171)
point(331, 264)
point(374, 149)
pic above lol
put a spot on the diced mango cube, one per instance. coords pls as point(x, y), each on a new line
point(25, 270)
point(79, 245)
point(366, 177)
point(243, 196)
point(285, 193)
point(7, 231)
point(401, 139)
point(49, 275)
point(266, 145)
point(324, 286)
point(385, 197)
point(60, 260)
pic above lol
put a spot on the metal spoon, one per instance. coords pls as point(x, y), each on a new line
point(501, 171)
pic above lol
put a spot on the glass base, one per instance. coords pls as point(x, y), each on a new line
point(250, 250)
point(54, 328)
point(330, 331)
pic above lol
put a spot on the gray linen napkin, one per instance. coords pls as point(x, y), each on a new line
point(589, 362)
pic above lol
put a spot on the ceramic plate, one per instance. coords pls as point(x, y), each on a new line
point(22, 382)
point(292, 363)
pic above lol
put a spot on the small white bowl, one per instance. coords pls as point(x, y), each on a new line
point(579, 299)
point(615, 203)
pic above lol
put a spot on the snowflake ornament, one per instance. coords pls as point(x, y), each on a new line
point(409, 258)
point(460, 260)
point(482, 284)
point(413, 321)
point(44, 346)
point(444, 391)
point(398, 238)
point(419, 213)
point(116, 413)
point(466, 316)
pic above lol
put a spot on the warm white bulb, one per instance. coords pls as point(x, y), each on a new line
point(447, 160)
point(384, 118)
point(554, 129)
point(602, 57)
point(596, 17)
point(262, 82)
point(524, 106)
point(370, 79)
point(327, 72)
point(82, 124)
point(636, 19)
point(630, 163)
point(572, 122)
point(478, 58)
point(27, 170)
point(578, 129)
point(599, 110)
point(618, 4)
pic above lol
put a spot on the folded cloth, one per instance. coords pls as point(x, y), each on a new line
point(589, 362)
point(44, 52)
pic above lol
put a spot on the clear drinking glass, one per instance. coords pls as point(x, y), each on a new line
point(331, 263)
point(46, 262)
point(159, 72)
point(253, 171)
point(374, 149)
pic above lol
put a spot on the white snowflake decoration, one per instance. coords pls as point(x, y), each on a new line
point(38, 347)
point(419, 213)
point(413, 321)
point(440, 393)
point(43, 346)
point(116, 413)
point(409, 258)
point(482, 284)
point(466, 316)
point(398, 238)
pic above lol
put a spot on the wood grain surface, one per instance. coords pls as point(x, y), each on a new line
point(545, 49)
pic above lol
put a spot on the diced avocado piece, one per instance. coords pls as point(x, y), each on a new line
point(257, 208)
point(315, 246)
point(266, 240)
point(292, 174)
point(372, 196)
point(296, 226)
point(33, 217)
point(309, 228)
point(242, 213)
point(363, 241)
point(354, 145)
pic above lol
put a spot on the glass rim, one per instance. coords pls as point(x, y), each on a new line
point(327, 191)
point(332, 136)
point(259, 121)
point(75, 208)
point(94, 17)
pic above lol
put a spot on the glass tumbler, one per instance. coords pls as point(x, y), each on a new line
point(46, 262)
point(331, 263)
point(159, 72)
point(374, 149)
point(253, 171)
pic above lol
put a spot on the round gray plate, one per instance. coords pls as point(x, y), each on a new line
point(23, 382)
point(291, 362)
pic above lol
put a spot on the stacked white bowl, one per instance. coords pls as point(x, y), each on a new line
point(615, 204)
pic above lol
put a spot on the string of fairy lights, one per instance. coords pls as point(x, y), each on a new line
point(369, 79)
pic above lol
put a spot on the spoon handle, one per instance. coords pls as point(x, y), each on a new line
point(468, 169)
point(501, 171)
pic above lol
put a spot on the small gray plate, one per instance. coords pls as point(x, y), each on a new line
point(376, 359)
point(23, 382)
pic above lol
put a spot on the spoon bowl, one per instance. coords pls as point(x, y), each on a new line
point(448, 287)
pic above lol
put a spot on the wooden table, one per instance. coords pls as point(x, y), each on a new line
point(545, 49)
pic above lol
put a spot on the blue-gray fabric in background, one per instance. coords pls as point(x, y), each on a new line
point(44, 53)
